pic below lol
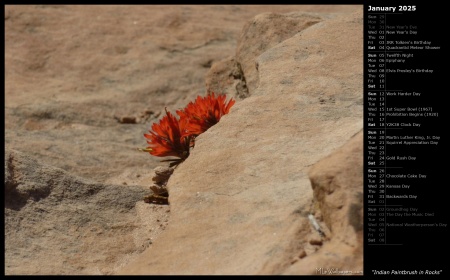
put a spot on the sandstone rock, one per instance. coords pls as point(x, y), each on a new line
point(241, 200)
point(226, 76)
point(72, 68)
point(315, 241)
point(127, 119)
point(57, 223)
point(264, 32)
point(162, 173)
point(160, 192)
point(337, 181)
point(238, 75)
point(239, 203)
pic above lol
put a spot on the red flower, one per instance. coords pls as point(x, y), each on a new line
point(173, 137)
point(165, 139)
point(204, 113)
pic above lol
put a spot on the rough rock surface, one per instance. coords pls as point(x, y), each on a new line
point(238, 75)
point(84, 83)
point(337, 182)
point(77, 226)
point(264, 32)
point(240, 201)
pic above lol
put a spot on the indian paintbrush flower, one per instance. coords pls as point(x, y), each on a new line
point(165, 138)
point(205, 112)
point(175, 137)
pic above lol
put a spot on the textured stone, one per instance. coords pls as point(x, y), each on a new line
point(264, 32)
point(238, 75)
point(226, 76)
point(239, 203)
point(82, 86)
point(77, 226)
point(337, 181)
point(78, 77)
